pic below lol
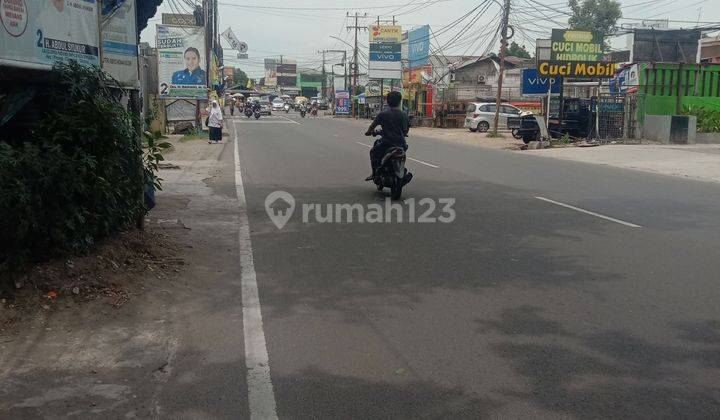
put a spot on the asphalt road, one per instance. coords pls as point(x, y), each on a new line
point(519, 308)
point(559, 290)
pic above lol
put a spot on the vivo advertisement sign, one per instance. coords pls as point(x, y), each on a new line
point(533, 83)
point(419, 46)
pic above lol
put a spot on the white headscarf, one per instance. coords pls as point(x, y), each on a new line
point(215, 117)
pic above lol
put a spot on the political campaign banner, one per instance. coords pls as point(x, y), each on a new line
point(181, 62)
point(342, 102)
point(39, 33)
point(120, 50)
point(419, 46)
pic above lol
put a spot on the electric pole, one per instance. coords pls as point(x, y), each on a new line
point(355, 66)
point(503, 47)
point(322, 86)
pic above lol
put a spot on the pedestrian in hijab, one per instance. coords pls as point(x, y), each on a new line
point(214, 122)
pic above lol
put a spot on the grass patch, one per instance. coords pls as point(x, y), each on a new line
point(494, 135)
point(194, 136)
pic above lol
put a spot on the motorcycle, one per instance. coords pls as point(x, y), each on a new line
point(313, 112)
point(303, 111)
point(392, 172)
point(257, 114)
point(287, 108)
point(248, 112)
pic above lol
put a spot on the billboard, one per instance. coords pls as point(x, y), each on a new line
point(419, 46)
point(385, 56)
point(674, 45)
point(533, 83)
point(573, 45)
point(384, 33)
point(342, 102)
point(120, 51)
point(181, 62)
point(39, 33)
point(271, 72)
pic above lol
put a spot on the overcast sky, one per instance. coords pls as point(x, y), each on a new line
point(298, 29)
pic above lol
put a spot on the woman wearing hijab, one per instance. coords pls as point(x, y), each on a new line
point(215, 123)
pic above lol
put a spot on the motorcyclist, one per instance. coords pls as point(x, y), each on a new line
point(256, 106)
point(395, 127)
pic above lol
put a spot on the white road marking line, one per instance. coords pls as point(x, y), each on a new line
point(589, 212)
point(286, 118)
point(424, 163)
point(261, 396)
point(414, 160)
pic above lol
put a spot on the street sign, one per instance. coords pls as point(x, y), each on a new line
point(178, 19)
point(535, 84)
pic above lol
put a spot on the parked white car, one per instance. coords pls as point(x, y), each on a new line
point(480, 115)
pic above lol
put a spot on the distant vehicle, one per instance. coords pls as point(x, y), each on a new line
point(278, 104)
point(265, 108)
point(481, 115)
point(322, 103)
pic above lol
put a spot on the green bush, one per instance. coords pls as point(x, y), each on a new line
point(708, 120)
point(78, 177)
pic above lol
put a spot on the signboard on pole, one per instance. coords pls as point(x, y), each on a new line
point(384, 60)
point(535, 84)
point(178, 19)
point(181, 59)
point(120, 51)
point(271, 72)
point(384, 33)
point(573, 53)
point(39, 33)
point(419, 46)
point(573, 45)
point(342, 102)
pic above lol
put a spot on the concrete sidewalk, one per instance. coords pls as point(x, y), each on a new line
point(701, 162)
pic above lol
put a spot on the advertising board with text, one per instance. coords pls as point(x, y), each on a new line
point(419, 46)
point(39, 33)
point(120, 51)
point(342, 102)
point(181, 62)
point(577, 69)
point(385, 33)
point(533, 83)
point(573, 45)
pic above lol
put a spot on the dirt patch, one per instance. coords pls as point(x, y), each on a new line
point(118, 269)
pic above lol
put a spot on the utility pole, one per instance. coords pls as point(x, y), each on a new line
point(503, 47)
point(324, 77)
point(355, 66)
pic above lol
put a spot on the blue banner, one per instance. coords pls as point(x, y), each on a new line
point(419, 46)
point(375, 56)
point(535, 84)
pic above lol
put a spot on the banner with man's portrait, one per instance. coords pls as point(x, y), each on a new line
point(181, 62)
point(39, 33)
